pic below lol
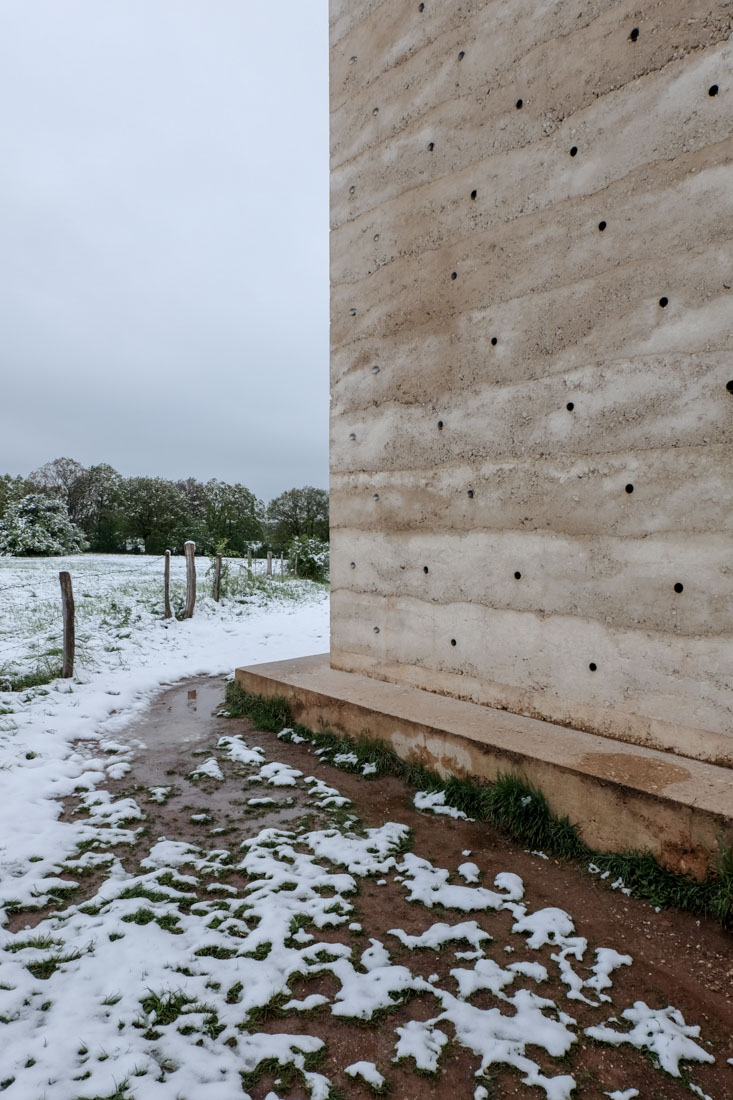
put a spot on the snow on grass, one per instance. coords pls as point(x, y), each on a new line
point(278, 775)
point(237, 749)
point(662, 1031)
point(434, 802)
point(430, 885)
point(159, 794)
point(421, 1041)
point(368, 1072)
point(209, 770)
point(437, 935)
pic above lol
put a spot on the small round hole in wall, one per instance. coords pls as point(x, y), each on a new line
point(454, 274)
point(474, 194)
point(352, 436)
point(601, 226)
point(353, 59)
point(574, 151)
point(453, 641)
point(353, 565)
point(570, 406)
point(593, 666)
point(663, 302)
point(713, 90)
point(494, 341)
point(461, 55)
point(679, 587)
point(375, 369)
point(352, 313)
point(352, 190)
point(469, 494)
point(375, 111)
point(634, 34)
point(629, 488)
point(421, 7)
point(517, 576)
point(729, 386)
point(376, 496)
point(519, 104)
point(376, 236)
point(431, 146)
point(440, 425)
point(376, 630)
point(425, 569)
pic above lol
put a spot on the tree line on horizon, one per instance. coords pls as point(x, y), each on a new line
point(95, 508)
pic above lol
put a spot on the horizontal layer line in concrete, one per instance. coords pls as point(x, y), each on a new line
point(606, 623)
point(547, 213)
point(607, 620)
point(474, 273)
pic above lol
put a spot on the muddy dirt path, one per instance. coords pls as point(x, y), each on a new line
point(677, 959)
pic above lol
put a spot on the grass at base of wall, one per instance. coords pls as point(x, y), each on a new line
point(518, 810)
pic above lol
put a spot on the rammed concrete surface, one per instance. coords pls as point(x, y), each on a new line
point(621, 796)
point(502, 368)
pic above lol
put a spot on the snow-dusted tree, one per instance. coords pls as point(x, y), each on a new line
point(312, 556)
point(39, 526)
point(58, 478)
point(298, 512)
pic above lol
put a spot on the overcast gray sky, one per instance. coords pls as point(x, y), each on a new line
point(164, 237)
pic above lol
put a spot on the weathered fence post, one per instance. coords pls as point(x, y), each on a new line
point(217, 579)
point(189, 550)
point(67, 603)
point(296, 564)
point(269, 563)
point(282, 566)
point(167, 585)
point(249, 559)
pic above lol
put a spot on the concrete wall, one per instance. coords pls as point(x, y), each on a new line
point(529, 450)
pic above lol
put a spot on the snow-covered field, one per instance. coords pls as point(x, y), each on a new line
point(152, 987)
point(119, 599)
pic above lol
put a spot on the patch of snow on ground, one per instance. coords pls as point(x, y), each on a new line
point(208, 770)
point(236, 749)
point(662, 1031)
point(434, 802)
point(278, 775)
point(158, 794)
point(368, 1072)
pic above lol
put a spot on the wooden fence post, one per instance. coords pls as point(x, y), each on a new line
point(296, 564)
point(189, 550)
point(217, 579)
point(282, 566)
point(67, 602)
point(269, 563)
point(167, 585)
point(249, 559)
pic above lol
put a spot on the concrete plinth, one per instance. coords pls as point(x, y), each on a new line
point(622, 796)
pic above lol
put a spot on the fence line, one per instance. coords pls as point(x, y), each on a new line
point(257, 568)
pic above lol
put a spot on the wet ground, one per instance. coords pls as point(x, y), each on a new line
point(677, 959)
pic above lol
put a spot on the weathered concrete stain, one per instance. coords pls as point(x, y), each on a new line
point(655, 774)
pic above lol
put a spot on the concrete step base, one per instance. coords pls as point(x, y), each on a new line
point(620, 795)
